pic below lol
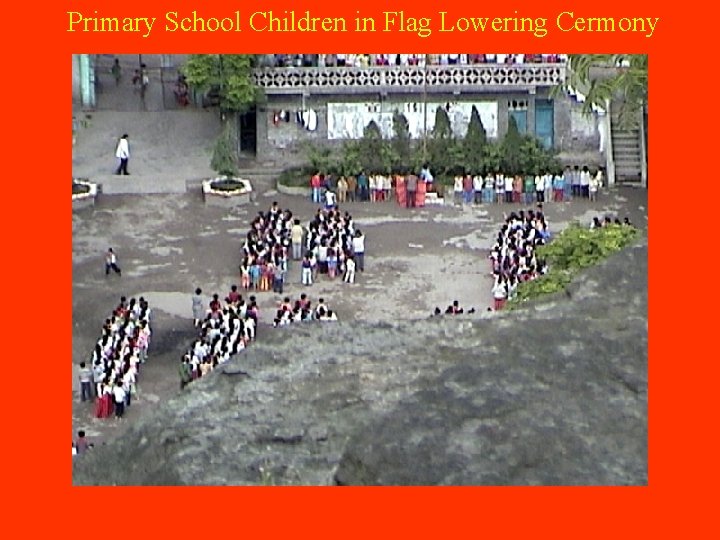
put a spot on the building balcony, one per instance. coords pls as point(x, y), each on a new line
point(434, 79)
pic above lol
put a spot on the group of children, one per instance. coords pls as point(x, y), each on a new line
point(265, 250)
point(528, 189)
point(225, 330)
point(453, 309)
point(373, 188)
point(302, 310)
point(607, 220)
point(117, 357)
point(332, 246)
point(513, 254)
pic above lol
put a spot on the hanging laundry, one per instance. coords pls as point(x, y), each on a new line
point(311, 120)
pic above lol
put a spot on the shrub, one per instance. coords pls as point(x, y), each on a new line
point(572, 250)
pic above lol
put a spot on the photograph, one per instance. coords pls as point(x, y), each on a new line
point(360, 269)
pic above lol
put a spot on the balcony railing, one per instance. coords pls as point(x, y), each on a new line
point(399, 79)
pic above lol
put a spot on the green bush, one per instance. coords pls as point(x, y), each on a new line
point(447, 155)
point(296, 176)
point(572, 250)
point(223, 156)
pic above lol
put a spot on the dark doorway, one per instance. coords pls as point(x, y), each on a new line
point(247, 124)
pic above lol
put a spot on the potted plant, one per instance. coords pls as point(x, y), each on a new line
point(84, 193)
point(226, 189)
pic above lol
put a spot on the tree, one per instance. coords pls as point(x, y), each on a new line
point(511, 150)
point(228, 74)
point(401, 142)
point(602, 77)
point(446, 156)
point(474, 144)
point(376, 155)
point(223, 157)
point(321, 158)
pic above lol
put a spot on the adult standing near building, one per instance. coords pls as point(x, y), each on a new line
point(585, 183)
point(315, 182)
point(122, 152)
point(358, 243)
point(352, 187)
point(111, 262)
point(342, 187)
point(85, 375)
point(576, 192)
point(411, 188)
point(116, 71)
point(363, 186)
point(296, 237)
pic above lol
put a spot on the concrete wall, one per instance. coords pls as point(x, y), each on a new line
point(284, 144)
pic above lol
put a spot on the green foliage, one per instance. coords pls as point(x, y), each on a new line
point(401, 142)
point(230, 74)
point(321, 158)
point(512, 160)
point(474, 144)
point(602, 77)
point(448, 156)
point(296, 177)
point(223, 157)
point(376, 155)
point(350, 162)
point(444, 152)
point(536, 159)
point(572, 250)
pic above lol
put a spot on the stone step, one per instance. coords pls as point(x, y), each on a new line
point(623, 135)
point(145, 184)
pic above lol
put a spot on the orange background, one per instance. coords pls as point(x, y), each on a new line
point(38, 242)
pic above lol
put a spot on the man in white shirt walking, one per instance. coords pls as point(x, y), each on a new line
point(123, 153)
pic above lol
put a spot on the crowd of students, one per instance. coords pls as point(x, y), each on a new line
point(116, 358)
point(265, 250)
point(528, 189)
point(513, 254)
point(302, 310)
point(332, 247)
point(363, 187)
point(226, 328)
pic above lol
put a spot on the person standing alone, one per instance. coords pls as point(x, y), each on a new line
point(85, 382)
point(123, 153)
point(111, 262)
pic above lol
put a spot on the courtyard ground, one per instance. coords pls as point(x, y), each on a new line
point(170, 244)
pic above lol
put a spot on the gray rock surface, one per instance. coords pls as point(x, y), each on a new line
point(554, 394)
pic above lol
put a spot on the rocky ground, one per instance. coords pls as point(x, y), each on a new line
point(315, 398)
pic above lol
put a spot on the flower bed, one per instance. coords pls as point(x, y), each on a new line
point(224, 191)
point(84, 193)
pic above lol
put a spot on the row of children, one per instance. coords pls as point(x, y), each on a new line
point(332, 246)
point(527, 189)
point(302, 310)
point(513, 254)
point(266, 249)
point(225, 330)
point(363, 187)
point(116, 358)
